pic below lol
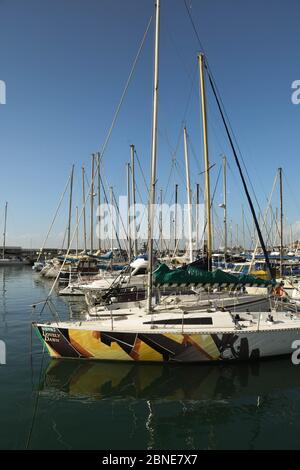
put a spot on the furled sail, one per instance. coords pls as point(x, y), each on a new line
point(189, 275)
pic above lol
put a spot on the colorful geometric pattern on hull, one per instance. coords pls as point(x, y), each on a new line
point(146, 347)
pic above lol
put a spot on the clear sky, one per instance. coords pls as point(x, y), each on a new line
point(65, 64)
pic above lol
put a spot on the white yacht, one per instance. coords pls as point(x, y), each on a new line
point(174, 336)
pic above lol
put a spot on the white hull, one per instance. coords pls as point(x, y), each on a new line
point(174, 337)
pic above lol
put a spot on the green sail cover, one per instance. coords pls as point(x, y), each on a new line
point(163, 275)
point(252, 280)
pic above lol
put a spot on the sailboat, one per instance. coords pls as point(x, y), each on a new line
point(183, 333)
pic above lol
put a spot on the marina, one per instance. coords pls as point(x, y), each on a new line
point(241, 406)
point(163, 304)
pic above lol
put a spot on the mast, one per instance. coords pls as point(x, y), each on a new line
point(92, 204)
point(83, 202)
point(197, 215)
point(111, 191)
point(243, 228)
point(128, 211)
point(175, 218)
point(4, 231)
point(281, 221)
point(206, 160)
point(276, 228)
point(188, 188)
point(160, 223)
point(262, 243)
point(225, 204)
point(70, 207)
point(134, 235)
point(153, 155)
point(99, 199)
point(77, 222)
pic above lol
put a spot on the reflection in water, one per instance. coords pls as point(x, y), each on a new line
point(3, 292)
point(168, 382)
point(189, 404)
point(93, 405)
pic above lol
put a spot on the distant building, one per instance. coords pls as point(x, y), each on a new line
point(14, 250)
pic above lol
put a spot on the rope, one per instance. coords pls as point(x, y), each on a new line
point(230, 135)
point(262, 243)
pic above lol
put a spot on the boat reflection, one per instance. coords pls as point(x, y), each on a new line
point(3, 309)
point(168, 382)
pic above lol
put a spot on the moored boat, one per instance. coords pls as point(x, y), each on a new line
point(178, 336)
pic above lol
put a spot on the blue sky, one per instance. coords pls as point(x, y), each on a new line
point(65, 65)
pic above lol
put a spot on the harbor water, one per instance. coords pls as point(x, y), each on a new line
point(57, 404)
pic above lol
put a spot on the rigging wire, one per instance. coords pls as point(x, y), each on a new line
point(265, 217)
point(103, 151)
point(221, 104)
point(262, 243)
point(125, 89)
point(144, 211)
point(123, 95)
point(54, 218)
point(211, 204)
point(142, 172)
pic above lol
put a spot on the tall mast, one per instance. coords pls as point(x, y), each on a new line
point(243, 228)
point(83, 203)
point(197, 215)
point(134, 235)
point(188, 188)
point(128, 212)
point(225, 204)
point(206, 160)
point(92, 204)
point(4, 231)
point(161, 223)
point(70, 207)
point(111, 191)
point(99, 200)
point(175, 218)
point(281, 221)
point(153, 155)
point(262, 243)
point(77, 222)
point(276, 228)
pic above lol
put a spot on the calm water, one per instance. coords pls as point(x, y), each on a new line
point(126, 406)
